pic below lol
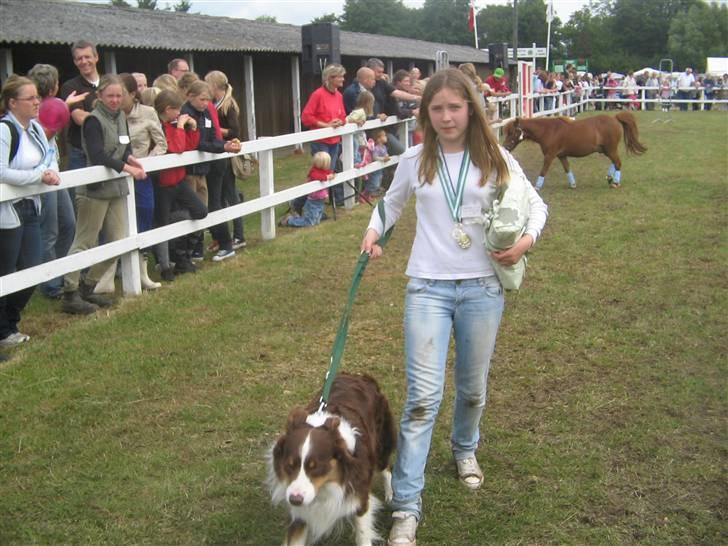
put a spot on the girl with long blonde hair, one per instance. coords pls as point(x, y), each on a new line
point(455, 175)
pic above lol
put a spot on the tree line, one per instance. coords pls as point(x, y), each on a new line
point(612, 34)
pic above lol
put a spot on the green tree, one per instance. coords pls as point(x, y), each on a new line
point(182, 6)
point(327, 18)
point(388, 17)
point(147, 4)
point(492, 27)
point(445, 21)
point(120, 3)
point(266, 19)
point(700, 32)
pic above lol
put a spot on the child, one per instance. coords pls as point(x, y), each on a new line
point(379, 153)
point(173, 192)
point(665, 92)
point(199, 96)
point(314, 206)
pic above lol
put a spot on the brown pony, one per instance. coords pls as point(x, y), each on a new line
point(564, 137)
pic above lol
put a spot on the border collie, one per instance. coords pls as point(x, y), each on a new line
point(322, 467)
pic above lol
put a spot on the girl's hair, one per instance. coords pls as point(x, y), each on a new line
point(107, 80)
point(167, 99)
point(331, 71)
point(186, 81)
point(165, 81)
point(378, 133)
point(131, 85)
point(45, 77)
point(11, 90)
point(148, 96)
point(198, 88)
point(365, 101)
point(217, 79)
point(469, 70)
point(321, 160)
point(479, 139)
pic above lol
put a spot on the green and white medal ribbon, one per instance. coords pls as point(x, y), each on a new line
point(454, 195)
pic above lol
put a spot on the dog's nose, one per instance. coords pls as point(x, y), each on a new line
point(295, 499)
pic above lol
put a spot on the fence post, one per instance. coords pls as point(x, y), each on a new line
point(131, 281)
point(347, 163)
point(267, 216)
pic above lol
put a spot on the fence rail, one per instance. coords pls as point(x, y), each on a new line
point(128, 248)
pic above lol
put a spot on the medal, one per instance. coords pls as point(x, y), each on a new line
point(461, 238)
point(454, 195)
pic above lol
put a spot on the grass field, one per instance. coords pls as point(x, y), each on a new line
point(606, 421)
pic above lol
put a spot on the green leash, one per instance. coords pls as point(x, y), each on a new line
point(340, 340)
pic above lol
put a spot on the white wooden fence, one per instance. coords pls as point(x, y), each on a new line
point(264, 147)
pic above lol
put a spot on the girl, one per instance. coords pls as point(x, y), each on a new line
point(197, 107)
point(379, 153)
point(455, 174)
point(147, 139)
point(26, 158)
point(105, 140)
point(173, 192)
point(313, 208)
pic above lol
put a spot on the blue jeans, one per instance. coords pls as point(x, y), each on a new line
point(312, 211)
point(58, 227)
point(374, 182)
point(471, 308)
point(20, 248)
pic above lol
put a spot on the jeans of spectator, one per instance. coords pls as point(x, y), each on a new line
point(548, 103)
point(374, 182)
point(230, 197)
point(95, 215)
point(20, 248)
point(313, 209)
point(471, 310)
point(220, 232)
point(337, 191)
point(172, 199)
point(57, 227)
point(683, 95)
point(394, 146)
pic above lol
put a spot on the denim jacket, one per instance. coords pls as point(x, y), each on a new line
point(10, 174)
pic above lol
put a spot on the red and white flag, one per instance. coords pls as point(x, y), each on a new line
point(471, 18)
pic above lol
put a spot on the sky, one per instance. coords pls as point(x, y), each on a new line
point(300, 12)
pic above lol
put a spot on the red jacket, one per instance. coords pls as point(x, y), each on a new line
point(178, 141)
point(319, 174)
point(323, 105)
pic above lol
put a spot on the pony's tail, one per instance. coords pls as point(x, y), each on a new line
point(631, 134)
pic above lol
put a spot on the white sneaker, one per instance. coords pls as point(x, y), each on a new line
point(469, 473)
point(403, 530)
point(223, 254)
point(16, 338)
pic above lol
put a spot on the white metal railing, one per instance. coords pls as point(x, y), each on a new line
point(129, 247)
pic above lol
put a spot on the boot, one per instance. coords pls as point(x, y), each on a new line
point(75, 305)
point(106, 282)
point(147, 283)
point(87, 293)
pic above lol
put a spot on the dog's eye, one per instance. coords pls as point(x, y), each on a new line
point(292, 463)
point(310, 465)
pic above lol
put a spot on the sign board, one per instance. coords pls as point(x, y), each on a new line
point(528, 52)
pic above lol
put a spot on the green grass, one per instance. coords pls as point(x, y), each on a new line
point(606, 419)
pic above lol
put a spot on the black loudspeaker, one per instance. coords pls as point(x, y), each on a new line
point(320, 45)
point(498, 55)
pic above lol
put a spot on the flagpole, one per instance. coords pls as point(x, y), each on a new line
point(549, 17)
point(475, 26)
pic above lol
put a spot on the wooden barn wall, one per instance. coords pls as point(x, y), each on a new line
point(273, 94)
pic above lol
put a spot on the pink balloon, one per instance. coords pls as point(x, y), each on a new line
point(53, 114)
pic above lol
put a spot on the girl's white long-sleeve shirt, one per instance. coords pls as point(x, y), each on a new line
point(435, 253)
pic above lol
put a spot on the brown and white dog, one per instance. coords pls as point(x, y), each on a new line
point(322, 467)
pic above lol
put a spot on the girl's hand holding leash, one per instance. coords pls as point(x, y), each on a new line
point(369, 244)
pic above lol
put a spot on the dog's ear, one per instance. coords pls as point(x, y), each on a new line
point(278, 448)
point(296, 418)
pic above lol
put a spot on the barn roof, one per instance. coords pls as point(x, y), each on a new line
point(63, 22)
